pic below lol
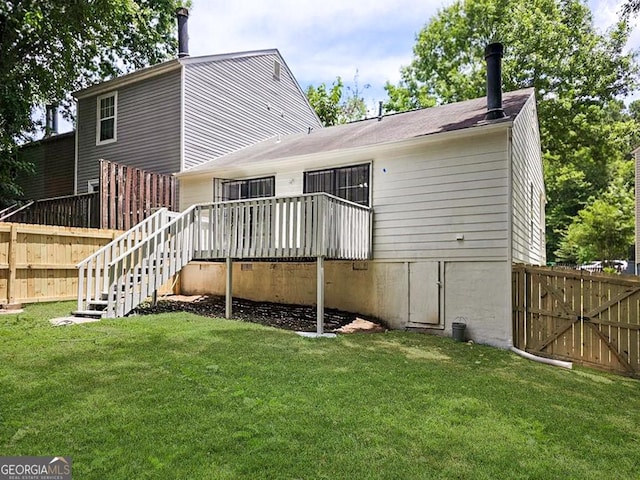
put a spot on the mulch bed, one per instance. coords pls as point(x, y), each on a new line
point(289, 317)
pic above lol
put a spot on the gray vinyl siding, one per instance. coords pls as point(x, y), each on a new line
point(148, 129)
point(425, 198)
point(528, 218)
point(53, 160)
point(233, 103)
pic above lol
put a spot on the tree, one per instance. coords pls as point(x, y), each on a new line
point(552, 45)
point(326, 101)
point(604, 229)
point(52, 47)
point(334, 106)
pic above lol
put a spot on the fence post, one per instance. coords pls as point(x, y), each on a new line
point(13, 264)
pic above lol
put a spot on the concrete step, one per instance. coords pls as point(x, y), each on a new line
point(88, 313)
point(97, 304)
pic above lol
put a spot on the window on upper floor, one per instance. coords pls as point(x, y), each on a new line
point(351, 183)
point(249, 188)
point(107, 118)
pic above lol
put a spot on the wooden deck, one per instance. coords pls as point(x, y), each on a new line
point(318, 226)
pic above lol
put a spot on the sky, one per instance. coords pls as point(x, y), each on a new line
point(322, 40)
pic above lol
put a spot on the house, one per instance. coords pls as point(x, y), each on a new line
point(178, 114)
point(53, 161)
point(419, 216)
point(456, 200)
point(168, 118)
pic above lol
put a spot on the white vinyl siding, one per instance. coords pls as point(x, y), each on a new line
point(424, 199)
point(528, 198)
point(230, 104)
point(289, 183)
point(424, 196)
point(194, 190)
point(107, 118)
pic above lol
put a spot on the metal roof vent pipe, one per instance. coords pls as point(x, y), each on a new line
point(493, 54)
point(51, 120)
point(183, 32)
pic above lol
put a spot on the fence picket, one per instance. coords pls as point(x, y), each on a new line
point(588, 318)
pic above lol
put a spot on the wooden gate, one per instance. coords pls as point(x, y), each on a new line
point(589, 318)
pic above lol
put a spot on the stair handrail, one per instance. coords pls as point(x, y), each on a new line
point(5, 210)
point(88, 285)
point(4, 215)
point(142, 252)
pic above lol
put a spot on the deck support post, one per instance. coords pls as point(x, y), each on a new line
point(320, 295)
point(154, 298)
point(228, 290)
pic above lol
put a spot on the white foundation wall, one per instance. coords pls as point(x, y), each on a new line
point(476, 293)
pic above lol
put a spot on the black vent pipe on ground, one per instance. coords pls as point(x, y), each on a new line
point(493, 55)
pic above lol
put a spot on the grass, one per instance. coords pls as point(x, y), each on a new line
point(181, 396)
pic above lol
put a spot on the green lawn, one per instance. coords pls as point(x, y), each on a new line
point(177, 396)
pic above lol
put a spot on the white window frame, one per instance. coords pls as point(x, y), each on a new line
point(93, 185)
point(246, 181)
point(99, 120)
point(367, 184)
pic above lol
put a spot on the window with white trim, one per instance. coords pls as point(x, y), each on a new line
point(250, 188)
point(93, 185)
point(107, 118)
point(350, 183)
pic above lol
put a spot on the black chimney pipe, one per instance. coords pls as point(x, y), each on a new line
point(183, 32)
point(493, 55)
point(51, 120)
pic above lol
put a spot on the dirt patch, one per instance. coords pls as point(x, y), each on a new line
point(289, 317)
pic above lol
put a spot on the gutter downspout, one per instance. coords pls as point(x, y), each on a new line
point(548, 361)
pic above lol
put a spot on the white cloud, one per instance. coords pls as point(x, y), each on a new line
point(319, 41)
point(322, 40)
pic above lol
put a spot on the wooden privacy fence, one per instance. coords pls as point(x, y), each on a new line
point(128, 195)
point(125, 196)
point(589, 318)
point(71, 211)
point(38, 263)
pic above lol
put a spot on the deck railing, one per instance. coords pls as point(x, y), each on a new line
point(71, 211)
point(143, 269)
point(309, 225)
point(122, 274)
point(93, 280)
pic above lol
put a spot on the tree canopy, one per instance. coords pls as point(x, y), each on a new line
point(53, 47)
point(604, 229)
point(578, 74)
point(338, 104)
